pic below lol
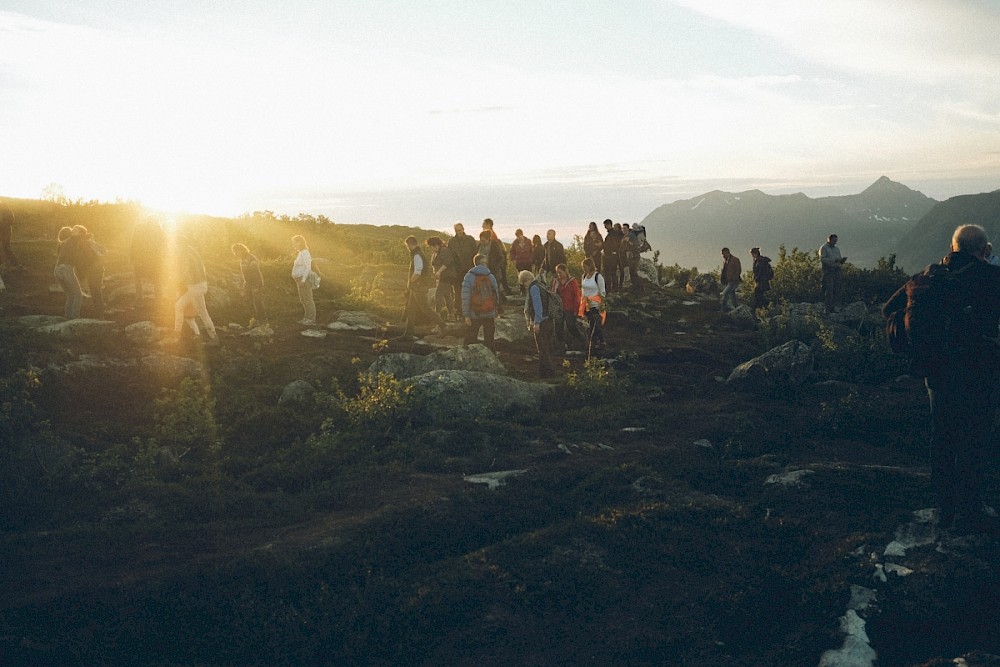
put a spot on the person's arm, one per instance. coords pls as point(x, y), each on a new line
point(535, 292)
point(600, 286)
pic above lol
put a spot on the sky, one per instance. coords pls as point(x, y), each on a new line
point(534, 113)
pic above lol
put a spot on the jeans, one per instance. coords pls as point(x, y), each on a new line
point(306, 299)
point(66, 276)
point(489, 327)
point(729, 294)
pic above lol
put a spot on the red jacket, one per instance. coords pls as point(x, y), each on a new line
point(570, 294)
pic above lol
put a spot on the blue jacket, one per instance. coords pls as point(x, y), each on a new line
point(534, 309)
point(470, 278)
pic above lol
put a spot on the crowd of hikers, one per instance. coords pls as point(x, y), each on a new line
point(945, 319)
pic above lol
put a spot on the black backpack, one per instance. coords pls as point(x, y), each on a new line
point(930, 319)
point(551, 304)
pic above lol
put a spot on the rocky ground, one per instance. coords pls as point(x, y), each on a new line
point(674, 506)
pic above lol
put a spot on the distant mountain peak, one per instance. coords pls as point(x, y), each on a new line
point(885, 184)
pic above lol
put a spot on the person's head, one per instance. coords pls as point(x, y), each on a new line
point(485, 236)
point(589, 268)
point(240, 250)
point(518, 233)
point(550, 235)
point(488, 223)
point(80, 230)
point(755, 252)
point(411, 242)
point(479, 260)
point(971, 239)
point(608, 225)
point(832, 239)
point(592, 227)
point(725, 253)
point(536, 240)
point(618, 227)
point(299, 242)
point(459, 229)
point(562, 273)
point(525, 278)
point(434, 243)
point(625, 227)
point(64, 234)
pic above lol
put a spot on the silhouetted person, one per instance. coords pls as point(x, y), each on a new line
point(252, 282)
point(831, 264)
point(90, 267)
point(730, 277)
point(762, 274)
point(147, 254)
point(7, 236)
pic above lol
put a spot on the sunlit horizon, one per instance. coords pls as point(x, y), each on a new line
point(543, 113)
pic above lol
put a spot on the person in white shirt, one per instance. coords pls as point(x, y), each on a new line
point(302, 274)
point(592, 304)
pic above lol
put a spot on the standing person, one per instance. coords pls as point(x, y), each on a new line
point(492, 250)
point(539, 322)
point(568, 290)
point(194, 283)
point(620, 235)
point(628, 255)
point(253, 283)
point(521, 252)
point(593, 244)
point(831, 264)
point(730, 277)
point(65, 272)
point(7, 236)
point(306, 280)
point(502, 276)
point(146, 254)
point(443, 264)
point(612, 243)
point(962, 368)
point(537, 255)
point(592, 306)
point(419, 278)
point(480, 303)
point(90, 267)
point(464, 247)
point(763, 272)
point(555, 254)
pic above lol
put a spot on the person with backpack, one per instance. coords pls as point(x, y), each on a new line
point(480, 303)
point(538, 315)
point(763, 272)
point(90, 267)
point(568, 289)
point(592, 305)
point(946, 318)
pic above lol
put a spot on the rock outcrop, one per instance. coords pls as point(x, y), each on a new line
point(457, 394)
point(788, 364)
point(475, 358)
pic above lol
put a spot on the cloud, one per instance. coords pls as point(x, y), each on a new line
point(921, 40)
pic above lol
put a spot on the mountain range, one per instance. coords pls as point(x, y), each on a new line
point(871, 224)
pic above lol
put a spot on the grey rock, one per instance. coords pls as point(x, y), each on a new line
point(79, 328)
point(493, 480)
point(648, 272)
point(457, 394)
point(743, 314)
point(788, 364)
point(314, 333)
point(35, 321)
point(472, 358)
point(296, 392)
point(789, 479)
point(168, 366)
point(511, 327)
point(143, 333)
point(703, 283)
point(352, 320)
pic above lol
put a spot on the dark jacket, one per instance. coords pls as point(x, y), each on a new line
point(521, 252)
point(464, 248)
point(761, 271)
point(555, 255)
point(445, 257)
point(423, 278)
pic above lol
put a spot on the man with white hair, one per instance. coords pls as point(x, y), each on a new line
point(952, 314)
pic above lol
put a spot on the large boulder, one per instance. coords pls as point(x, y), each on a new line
point(511, 326)
point(78, 328)
point(743, 315)
point(703, 283)
point(475, 358)
point(353, 320)
point(297, 392)
point(787, 364)
point(143, 333)
point(457, 394)
point(648, 272)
